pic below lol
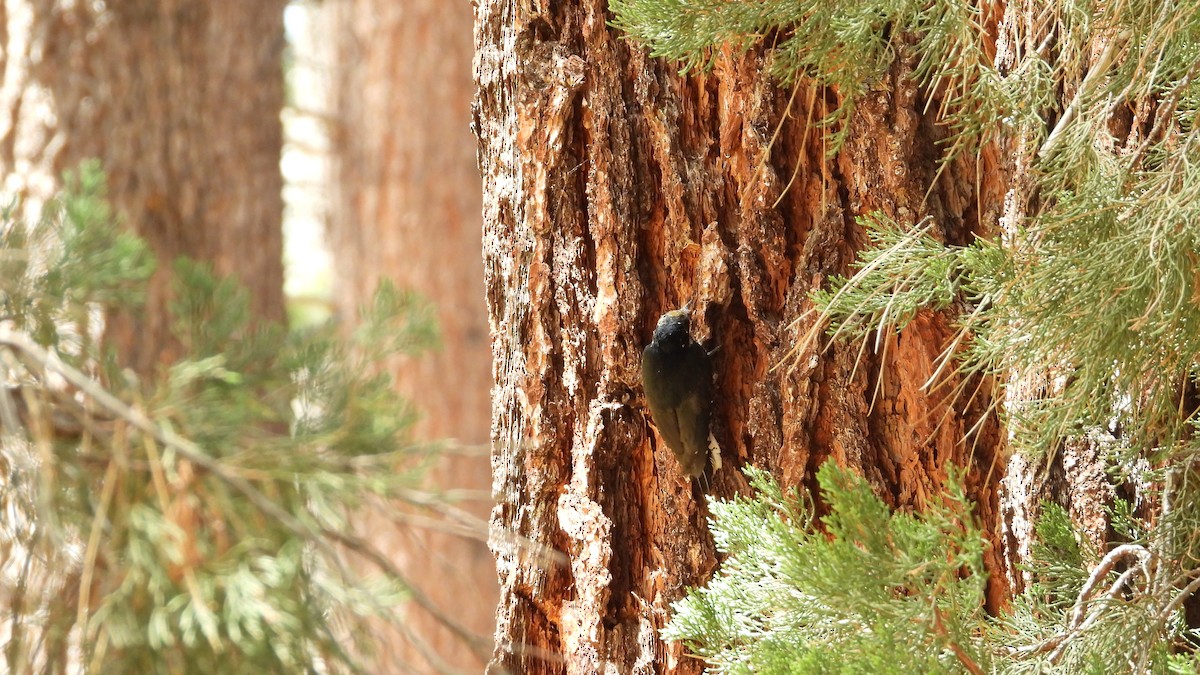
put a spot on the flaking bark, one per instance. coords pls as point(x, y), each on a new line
point(615, 189)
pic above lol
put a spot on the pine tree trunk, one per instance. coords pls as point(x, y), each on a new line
point(180, 100)
point(615, 189)
point(406, 207)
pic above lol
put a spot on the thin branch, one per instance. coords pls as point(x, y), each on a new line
point(1102, 569)
point(963, 657)
point(480, 646)
point(192, 452)
point(1085, 89)
point(1077, 625)
point(1180, 597)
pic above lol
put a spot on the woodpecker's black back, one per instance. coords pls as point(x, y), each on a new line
point(677, 378)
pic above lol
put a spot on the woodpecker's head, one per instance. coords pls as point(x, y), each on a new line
point(674, 329)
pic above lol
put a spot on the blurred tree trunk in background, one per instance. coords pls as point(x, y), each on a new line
point(180, 100)
point(616, 189)
point(406, 206)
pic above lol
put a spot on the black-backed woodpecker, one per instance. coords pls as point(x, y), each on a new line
point(677, 378)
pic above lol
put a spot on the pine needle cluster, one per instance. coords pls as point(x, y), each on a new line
point(871, 592)
point(200, 520)
point(1092, 288)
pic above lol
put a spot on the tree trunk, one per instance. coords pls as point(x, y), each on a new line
point(180, 100)
point(406, 207)
point(616, 189)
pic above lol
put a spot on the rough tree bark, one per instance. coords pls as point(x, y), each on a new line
point(616, 189)
point(406, 207)
point(180, 101)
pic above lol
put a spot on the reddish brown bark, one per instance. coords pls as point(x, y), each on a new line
point(180, 100)
point(406, 207)
point(615, 189)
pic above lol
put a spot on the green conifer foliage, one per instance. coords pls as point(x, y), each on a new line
point(870, 591)
point(200, 521)
point(1096, 290)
